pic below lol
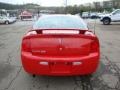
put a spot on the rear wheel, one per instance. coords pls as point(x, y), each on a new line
point(6, 22)
point(106, 21)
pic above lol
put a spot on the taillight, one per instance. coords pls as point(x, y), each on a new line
point(26, 41)
point(95, 46)
point(26, 45)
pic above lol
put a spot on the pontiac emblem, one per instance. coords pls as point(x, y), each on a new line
point(60, 49)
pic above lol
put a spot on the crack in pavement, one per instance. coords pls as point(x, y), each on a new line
point(110, 72)
point(83, 82)
point(13, 79)
point(9, 58)
point(98, 80)
point(39, 87)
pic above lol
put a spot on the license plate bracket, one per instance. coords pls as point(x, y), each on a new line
point(60, 67)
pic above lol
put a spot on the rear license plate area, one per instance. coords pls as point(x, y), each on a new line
point(60, 67)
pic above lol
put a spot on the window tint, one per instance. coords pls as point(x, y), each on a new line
point(116, 12)
point(0, 17)
point(65, 22)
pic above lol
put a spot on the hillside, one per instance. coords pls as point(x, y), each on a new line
point(12, 6)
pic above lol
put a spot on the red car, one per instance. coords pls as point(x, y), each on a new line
point(60, 45)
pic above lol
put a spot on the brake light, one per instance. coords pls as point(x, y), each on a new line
point(26, 45)
point(95, 46)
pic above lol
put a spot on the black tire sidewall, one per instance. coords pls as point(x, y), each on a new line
point(106, 21)
point(6, 22)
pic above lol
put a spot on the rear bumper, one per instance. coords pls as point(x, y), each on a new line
point(31, 64)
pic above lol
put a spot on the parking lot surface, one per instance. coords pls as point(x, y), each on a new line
point(13, 77)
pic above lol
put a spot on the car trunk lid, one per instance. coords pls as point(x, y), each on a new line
point(53, 44)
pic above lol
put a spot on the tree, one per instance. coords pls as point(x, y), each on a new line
point(116, 3)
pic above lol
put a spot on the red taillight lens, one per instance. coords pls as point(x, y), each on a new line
point(95, 46)
point(26, 45)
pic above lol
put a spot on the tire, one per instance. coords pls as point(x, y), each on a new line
point(106, 21)
point(6, 22)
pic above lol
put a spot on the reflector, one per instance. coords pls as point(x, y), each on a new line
point(43, 63)
point(77, 63)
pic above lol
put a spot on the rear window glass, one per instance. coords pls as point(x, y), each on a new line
point(60, 22)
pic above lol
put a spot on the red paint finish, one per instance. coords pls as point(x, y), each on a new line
point(60, 54)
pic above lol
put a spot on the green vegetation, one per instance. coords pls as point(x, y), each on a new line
point(69, 9)
point(12, 6)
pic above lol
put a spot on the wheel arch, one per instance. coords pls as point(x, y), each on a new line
point(107, 18)
point(7, 21)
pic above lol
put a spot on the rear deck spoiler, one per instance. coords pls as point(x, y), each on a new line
point(59, 31)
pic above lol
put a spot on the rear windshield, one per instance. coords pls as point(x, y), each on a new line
point(60, 22)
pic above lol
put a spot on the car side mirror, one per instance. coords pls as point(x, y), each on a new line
point(113, 13)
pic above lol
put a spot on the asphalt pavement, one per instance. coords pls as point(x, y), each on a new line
point(13, 77)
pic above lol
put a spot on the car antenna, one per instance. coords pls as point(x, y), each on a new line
point(94, 25)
